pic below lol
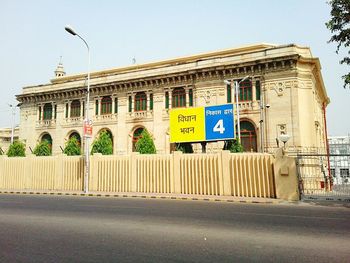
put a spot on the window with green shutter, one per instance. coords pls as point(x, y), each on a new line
point(67, 106)
point(167, 100)
point(130, 103)
point(96, 107)
point(190, 97)
point(179, 98)
point(245, 90)
point(115, 105)
point(151, 101)
point(75, 108)
point(39, 113)
point(106, 105)
point(257, 86)
point(229, 93)
point(140, 101)
point(47, 111)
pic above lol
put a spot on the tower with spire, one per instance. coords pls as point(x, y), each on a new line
point(59, 72)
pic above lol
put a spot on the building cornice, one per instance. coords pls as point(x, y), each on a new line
point(179, 78)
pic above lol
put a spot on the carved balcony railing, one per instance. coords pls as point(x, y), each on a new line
point(140, 115)
point(75, 121)
point(105, 118)
point(43, 124)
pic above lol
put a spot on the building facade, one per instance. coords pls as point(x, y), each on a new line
point(5, 138)
point(282, 94)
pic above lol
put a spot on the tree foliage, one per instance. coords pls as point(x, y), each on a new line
point(234, 146)
point(72, 147)
point(184, 147)
point(17, 149)
point(145, 144)
point(339, 25)
point(42, 149)
point(103, 144)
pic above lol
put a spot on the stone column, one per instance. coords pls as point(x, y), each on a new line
point(170, 99)
point(148, 101)
point(253, 89)
point(82, 108)
point(132, 102)
point(99, 106)
point(69, 104)
point(52, 111)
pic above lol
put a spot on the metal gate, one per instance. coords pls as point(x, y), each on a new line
point(323, 176)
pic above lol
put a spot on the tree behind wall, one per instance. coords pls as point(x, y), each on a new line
point(103, 144)
point(16, 149)
point(184, 147)
point(339, 25)
point(72, 147)
point(145, 144)
point(42, 149)
point(234, 146)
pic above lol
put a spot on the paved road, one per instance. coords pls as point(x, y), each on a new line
point(89, 229)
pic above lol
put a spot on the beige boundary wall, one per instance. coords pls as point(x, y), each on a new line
point(219, 174)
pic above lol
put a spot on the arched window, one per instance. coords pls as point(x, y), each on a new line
point(245, 90)
point(47, 137)
point(75, 108)
point(136, 136)
point(248, 136)
point(47, 111)
point(106, 105)
point(140, 101)
point(179, 98)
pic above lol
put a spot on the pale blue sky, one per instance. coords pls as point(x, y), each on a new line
point(32, 38)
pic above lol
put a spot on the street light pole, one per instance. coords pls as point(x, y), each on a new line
point(236, 83)
point(237, 107)
point(13, 121)
point(87, 120)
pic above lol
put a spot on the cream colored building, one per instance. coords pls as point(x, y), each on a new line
point(5, 138)
point(287, 78)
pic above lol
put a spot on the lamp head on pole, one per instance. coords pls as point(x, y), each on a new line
point(227, 82)
point(246, 77)
point(70, 30)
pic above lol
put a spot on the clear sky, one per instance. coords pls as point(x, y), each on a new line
point(32, 38)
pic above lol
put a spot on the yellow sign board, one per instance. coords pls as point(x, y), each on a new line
point(186, 125)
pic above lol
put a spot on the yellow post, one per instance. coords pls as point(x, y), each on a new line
point(177, 172)
point(225, 182)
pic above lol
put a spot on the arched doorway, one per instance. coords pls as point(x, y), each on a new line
point(47, 137)
point(248, 136)
point(135, 137)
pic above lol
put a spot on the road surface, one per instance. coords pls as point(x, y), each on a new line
point(95, 229)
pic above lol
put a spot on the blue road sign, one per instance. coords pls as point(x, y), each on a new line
point(219, 122)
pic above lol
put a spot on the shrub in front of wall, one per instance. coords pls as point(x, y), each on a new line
point(72, 147)
point(234, 146)
point(145, 145)
point(103, 144)
point(42, 149)
point(17, 149)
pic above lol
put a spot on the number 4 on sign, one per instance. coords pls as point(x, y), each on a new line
point(219, 127)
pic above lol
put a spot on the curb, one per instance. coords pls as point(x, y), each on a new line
point(164, 197)
point(310, 198)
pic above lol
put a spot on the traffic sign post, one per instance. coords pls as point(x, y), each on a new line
point(88, 128)
point(212, 123)
point(219, 122)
